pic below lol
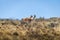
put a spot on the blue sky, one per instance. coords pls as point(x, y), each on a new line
point(24, 8)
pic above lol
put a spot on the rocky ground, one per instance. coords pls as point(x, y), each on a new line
point(37, 29)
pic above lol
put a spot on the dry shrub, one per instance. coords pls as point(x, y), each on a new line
point(38, 29)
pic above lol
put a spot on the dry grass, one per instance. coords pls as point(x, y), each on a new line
point(38, 29)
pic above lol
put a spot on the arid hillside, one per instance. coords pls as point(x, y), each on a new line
point(30, 29)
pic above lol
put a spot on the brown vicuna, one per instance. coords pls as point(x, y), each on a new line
point(29, 19)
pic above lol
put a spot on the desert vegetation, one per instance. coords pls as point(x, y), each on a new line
point(30, 29)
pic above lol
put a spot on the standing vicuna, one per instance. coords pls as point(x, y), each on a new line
point(29, 19)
